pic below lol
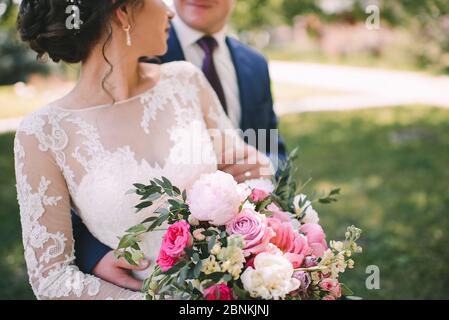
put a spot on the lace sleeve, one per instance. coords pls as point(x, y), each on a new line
point(228, 141)
point(47, 230)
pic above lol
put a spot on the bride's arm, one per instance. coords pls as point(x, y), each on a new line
point(234, 156)
point(47, 229)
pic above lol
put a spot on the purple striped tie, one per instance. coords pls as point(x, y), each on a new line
point(208, 44)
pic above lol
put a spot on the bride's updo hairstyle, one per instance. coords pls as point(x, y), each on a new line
point(42, 25)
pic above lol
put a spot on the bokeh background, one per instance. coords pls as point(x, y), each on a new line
point(365, 100)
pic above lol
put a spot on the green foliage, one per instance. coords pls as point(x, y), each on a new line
point(286, 184)
point(17, 61)
point(252, 14)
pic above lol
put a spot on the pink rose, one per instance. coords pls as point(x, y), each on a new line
point(287, 239)
point(175, 240)
point(165, 261)
point(214, 198)
point(254, 229)
point(258, 195)
point(315, 237)
point(328, 298)
point(331, 285)
point(225, 293)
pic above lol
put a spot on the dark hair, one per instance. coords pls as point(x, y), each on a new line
point(42, 25)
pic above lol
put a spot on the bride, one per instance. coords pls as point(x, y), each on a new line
point(123, 123)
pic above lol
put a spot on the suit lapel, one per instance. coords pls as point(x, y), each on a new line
point(243, 71)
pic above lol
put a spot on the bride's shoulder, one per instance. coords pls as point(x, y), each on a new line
point(35, 122)
point(178, 68)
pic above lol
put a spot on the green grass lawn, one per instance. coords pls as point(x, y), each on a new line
point(392, 165)
point(14, 279)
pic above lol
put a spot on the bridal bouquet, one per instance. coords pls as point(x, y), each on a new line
point(225, 241)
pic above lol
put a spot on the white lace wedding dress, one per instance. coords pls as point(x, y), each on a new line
point(88, 159)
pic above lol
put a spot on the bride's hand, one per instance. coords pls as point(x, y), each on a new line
point(249, 164)
point(118, 272)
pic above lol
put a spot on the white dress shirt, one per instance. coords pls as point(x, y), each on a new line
point(223, 63)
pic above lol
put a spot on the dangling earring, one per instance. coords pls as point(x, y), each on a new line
point(128, 35)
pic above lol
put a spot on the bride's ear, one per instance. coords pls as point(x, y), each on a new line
point(122, 14)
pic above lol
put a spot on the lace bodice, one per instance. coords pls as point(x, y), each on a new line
point(88, 159)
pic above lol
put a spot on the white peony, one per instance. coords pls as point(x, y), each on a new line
point(310, 215)
point(214, 198)
point(271, 277)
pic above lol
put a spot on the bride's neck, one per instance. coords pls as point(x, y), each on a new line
point(121, 75)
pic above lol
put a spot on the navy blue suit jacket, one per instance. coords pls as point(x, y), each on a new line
point(257, 113)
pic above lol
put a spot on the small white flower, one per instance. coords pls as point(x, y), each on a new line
point(216, 249)
point(193, 221)
point(337, 245)
point(198, 234)
point(350, 263)
point(310, 215)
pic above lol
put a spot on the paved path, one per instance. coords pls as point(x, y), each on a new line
point(9, 125)
point(360, 88)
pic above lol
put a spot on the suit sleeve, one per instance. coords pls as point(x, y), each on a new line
point(89, 251)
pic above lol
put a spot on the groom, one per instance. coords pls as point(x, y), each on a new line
point(238, 74)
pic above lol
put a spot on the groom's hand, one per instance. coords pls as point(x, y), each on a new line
point(118, 271)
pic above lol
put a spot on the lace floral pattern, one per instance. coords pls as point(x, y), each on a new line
point(90, 159)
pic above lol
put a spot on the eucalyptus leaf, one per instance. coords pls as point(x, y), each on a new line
point(127, 241)
point(345, 290)
point(137, 229)
point(128, 257)
point(139, 185)
point(189, 252)
point(195, 257)
point(335, 192)
point(144, 204)
point(183, 275)
point(227, 277)
point(211, 243)
point(150, 219)
point(216, 276)
point(175, 268)
point(197, 269)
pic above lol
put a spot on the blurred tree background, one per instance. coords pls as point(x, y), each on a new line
point(409, 20)
point(16, 62)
